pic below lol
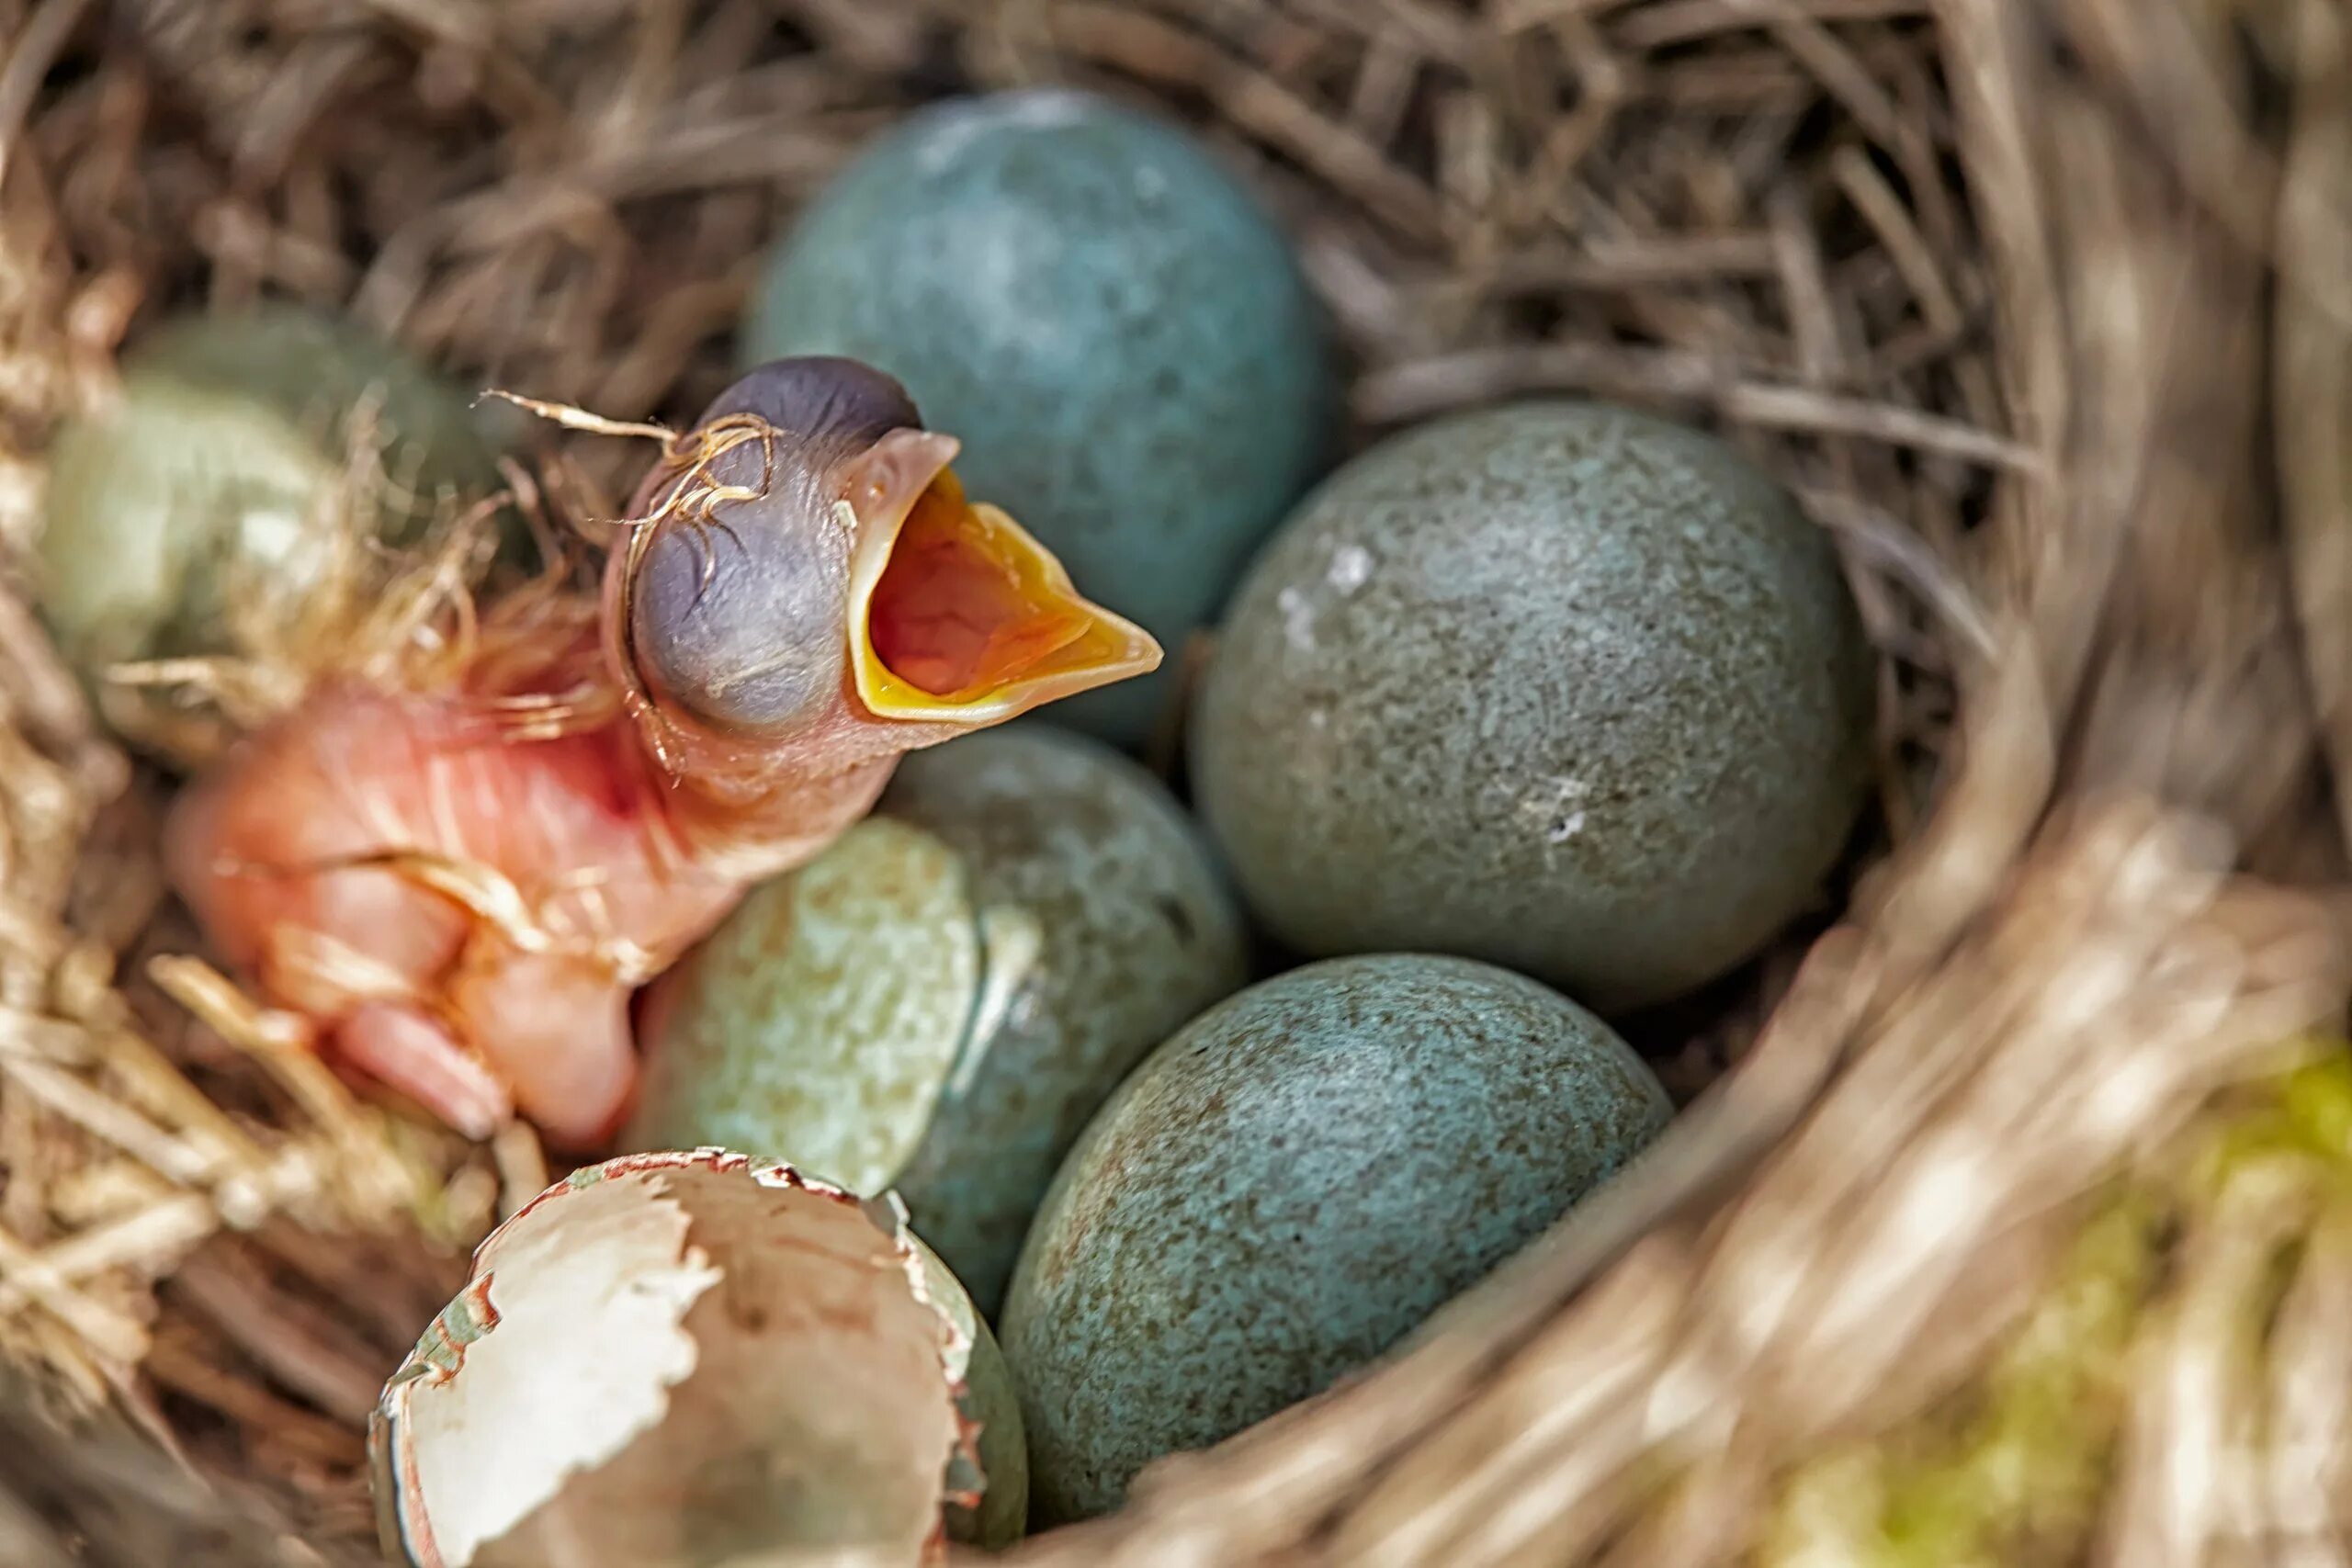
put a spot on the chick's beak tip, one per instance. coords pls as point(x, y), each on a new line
point(966, 618)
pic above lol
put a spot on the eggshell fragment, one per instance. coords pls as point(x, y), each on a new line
point(687, 1357)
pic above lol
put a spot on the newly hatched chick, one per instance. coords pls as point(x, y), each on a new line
point(805, 595)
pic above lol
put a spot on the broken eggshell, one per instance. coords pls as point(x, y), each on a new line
point(678, 1357)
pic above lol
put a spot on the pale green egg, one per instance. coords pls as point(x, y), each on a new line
point(939, 1001)
point(194, 514)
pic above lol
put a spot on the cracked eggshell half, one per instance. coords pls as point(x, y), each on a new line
point(684, 1358)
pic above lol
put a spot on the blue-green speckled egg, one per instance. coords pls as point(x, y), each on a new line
point(1289, 1186)
point(941, 1001)
point(1557, 685)
point(214, 481)
point(1108, 320)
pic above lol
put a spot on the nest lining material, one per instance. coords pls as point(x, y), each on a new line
point(2036, 304)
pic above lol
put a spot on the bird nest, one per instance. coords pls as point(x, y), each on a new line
point(2008, 1220)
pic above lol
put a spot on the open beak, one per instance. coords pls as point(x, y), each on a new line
point(955, 613)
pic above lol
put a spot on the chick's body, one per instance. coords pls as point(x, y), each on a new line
point(337, 857)
point(456, 872)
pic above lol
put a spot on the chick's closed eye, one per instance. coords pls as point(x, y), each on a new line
point(738, 621)
point(737, 618)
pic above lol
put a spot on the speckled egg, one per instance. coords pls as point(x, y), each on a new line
point(1557, 685)
point(1289, 1186)
point(941, 999)
point(212, 480)
point(1105, 318)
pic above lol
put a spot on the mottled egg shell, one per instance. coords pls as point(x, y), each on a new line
point(941, 999)
point(212, 479)
point(1557, 685)
point(1289, 1184)
point(678, 1358)
point(1105, 318)
point(819, 1022)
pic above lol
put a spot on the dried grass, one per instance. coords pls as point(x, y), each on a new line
point(2006, 1241)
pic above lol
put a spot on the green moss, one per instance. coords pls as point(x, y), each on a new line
point(2024, 1466)
point(2014, 1467)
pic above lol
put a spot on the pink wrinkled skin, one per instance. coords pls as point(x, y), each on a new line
point(405, 982)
